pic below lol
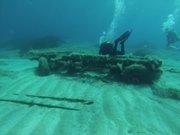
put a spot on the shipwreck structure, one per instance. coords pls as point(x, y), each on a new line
point(129, 69)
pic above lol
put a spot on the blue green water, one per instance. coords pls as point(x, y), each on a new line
point(114, 108)
point(86, 20)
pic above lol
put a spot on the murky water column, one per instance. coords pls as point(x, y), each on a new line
point(119, 9)
point(171, 19)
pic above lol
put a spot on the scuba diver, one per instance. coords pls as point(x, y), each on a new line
point(171, 37)
point(108, 48)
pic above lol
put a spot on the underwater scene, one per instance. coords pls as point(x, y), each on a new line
point(89, 67)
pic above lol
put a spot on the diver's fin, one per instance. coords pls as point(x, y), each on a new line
point(123, 37)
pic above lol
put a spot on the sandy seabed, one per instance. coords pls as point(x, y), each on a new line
point(82, 106)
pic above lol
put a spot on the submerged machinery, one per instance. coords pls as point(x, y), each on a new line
point(129, 69)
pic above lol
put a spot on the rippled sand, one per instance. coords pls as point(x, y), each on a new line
point(64, 105)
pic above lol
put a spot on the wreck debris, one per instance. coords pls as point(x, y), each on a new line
point(130, 69)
